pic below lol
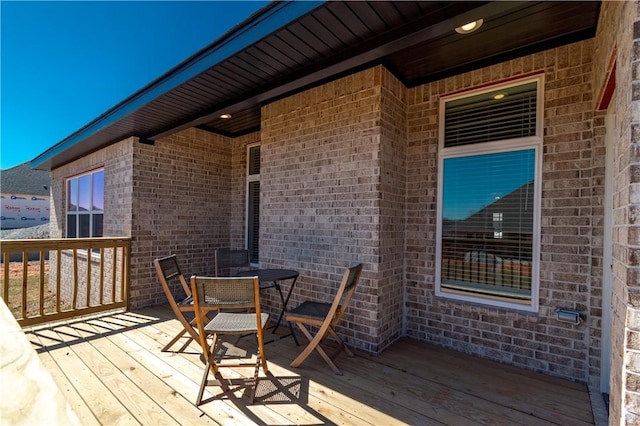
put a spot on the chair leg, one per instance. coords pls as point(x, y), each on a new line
point(254, 382)
point(262, 358)
point(210, 367)
point(341, 345)
point(186, 328)
point(203, 383)
point(173, 341)
point(314, 344)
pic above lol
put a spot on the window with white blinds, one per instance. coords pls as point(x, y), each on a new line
point(489, 196)
point(253, 203)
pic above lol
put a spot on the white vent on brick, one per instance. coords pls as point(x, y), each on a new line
point(481, 118)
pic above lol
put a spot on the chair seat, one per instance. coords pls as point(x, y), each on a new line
point(325, 316)
point(234, 323)
point(309, 309)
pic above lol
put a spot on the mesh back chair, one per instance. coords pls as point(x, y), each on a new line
point(224, 294)
point(325, 316)
point(168, 270)
point(229, 261)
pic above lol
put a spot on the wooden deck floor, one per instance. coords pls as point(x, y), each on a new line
point(112, 372)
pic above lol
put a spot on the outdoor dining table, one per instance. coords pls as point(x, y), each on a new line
point(272, 278)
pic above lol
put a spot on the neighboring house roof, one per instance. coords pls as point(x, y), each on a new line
point(287, 47)
point(22, 179)
point(516, 208)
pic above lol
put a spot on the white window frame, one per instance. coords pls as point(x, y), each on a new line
point(251, 178)
point(77, 214)
point(533, 142)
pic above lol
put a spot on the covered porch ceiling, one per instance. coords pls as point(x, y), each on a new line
point(290, 46)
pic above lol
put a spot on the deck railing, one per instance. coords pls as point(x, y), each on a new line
point(55, 279)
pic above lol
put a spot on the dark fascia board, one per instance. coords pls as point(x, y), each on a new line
point(264, 22)
point(228, 134)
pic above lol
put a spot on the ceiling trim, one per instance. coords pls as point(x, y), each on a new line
point(310, 79)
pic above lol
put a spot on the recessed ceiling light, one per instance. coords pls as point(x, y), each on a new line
point(469, 27)
point(499, 96)
point(225, 116)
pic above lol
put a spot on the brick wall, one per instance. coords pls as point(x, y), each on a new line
point(171, 197)
point(619, 28)
point(117, 162)
point(320, 194)
point(184, 205)
point(536, 341)
point(631, 229)
point(393, 182)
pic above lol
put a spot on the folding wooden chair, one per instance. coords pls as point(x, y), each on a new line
point(325, 316)
point(167, 269)
point(228, 293)
point(229, 261)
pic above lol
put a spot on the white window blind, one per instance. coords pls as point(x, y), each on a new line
point(482, 118)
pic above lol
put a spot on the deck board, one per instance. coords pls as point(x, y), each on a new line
point(537, 395)
point(111, 370)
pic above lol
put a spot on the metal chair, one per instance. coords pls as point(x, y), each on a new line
point(229, 261)
point(224, 294)
point(325, 316)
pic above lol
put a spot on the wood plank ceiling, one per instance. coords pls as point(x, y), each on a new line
point(414, 40)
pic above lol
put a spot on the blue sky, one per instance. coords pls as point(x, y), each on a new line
point(65, 63)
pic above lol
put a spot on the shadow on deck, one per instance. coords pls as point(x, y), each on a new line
point(111, 371)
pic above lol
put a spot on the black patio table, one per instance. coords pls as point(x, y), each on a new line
point(271, 278)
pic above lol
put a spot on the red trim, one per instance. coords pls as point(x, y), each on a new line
point(606, 93)
point(494, 83)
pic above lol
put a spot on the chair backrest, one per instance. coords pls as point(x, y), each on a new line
point(167, 269)
point(345, 292)
point(224, 293)
point(227, 261)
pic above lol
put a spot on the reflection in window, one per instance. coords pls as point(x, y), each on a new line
point(85, 204)
point(497, 225)
point(72, 195)
point(488, 223)
point(84, 193)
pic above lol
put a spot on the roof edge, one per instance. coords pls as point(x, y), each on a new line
point(257, 26)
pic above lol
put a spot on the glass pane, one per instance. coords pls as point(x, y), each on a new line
point(487, 223)
point(98, 191)
point(253, 221)
point(84, 193)
point(83, 231)
point(72, 195)
point(71, 226)
point(97, 225)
